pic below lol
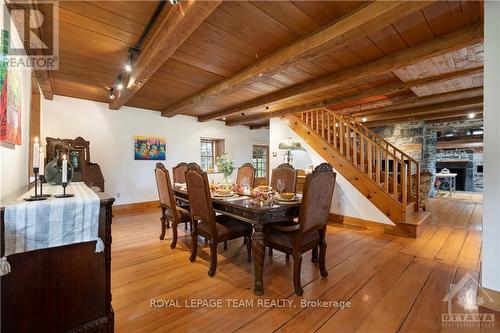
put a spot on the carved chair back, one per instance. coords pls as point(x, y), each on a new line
point(287, 174)
point(246, 170)
point(200, 201)
point(179, 172)
point(317, 198)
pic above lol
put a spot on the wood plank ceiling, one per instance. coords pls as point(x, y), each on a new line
point(95, 37)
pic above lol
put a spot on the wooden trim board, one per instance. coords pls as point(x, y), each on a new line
point(135, 206)
point(366, 224)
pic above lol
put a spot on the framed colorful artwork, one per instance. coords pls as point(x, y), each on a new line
point(10, 98)
point(149, 148)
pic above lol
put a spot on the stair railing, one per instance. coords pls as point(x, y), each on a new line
point(391, 169)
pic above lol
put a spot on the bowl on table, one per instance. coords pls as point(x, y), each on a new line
point(264, 188)
point(287, 195)
point(223, 193)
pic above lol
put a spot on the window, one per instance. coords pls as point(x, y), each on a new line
point(207, 154)
point(260, 161)
point(210, 150)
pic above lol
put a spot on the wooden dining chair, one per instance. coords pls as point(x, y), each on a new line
point(215, 229)
point(246, 170)
point(287, 174)
point(179, 172)
point(313, 217)
point(169, 209)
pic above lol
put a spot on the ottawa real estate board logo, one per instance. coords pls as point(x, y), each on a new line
point(462, 305)
point(30, 34)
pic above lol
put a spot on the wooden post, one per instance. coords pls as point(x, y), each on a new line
point(395, 164)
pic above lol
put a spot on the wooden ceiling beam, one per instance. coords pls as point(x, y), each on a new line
point(408, 110)
point(180, 22)
point(259, 126)
point(433, 117)
point(383, 90)
point(454, 40)
point(422, 101)
point(43, 76)
point(360, 23)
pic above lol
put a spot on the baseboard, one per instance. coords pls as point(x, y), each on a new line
point(491, 298)
point(366, 224)
point(135, 206)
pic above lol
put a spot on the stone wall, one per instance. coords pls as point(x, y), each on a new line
point(415, 140)
point(421, 138)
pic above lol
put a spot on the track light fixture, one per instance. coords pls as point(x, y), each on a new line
point(112, 94)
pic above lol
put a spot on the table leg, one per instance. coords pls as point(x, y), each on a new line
point(258, 253)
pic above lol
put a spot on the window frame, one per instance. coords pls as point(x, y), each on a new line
point(259, 177)
point(218, 148)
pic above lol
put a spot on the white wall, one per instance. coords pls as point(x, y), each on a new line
point(490, 274)
point(14, 158)
point(111, 132)
point(347, 200)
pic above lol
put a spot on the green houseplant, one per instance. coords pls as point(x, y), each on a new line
point(226, 166)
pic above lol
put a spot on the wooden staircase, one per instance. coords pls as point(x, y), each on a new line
point(387, 176)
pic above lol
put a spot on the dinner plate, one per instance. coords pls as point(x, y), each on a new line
point(220, 195)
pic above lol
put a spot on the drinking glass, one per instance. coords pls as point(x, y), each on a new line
point(280, 184)
point(245, 182)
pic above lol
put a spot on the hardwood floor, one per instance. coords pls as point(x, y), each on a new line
point(393, 284)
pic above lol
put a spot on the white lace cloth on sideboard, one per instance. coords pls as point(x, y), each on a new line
point(34, 225)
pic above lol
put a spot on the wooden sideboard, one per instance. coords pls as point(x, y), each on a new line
point(60, 289)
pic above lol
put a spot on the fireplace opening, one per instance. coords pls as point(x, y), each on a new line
point(464, 171)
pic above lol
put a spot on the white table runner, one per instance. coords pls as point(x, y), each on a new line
point(53, 222)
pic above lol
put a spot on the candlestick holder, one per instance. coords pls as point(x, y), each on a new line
point(64, 195)
point(41, 177)
point(36, 197)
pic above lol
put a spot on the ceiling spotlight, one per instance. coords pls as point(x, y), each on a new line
point(267, 108)
point(119, 86)
point(224, 118)
point(242, 114)
point(174, 2)
point(364, 119)
point(471, 115)
point(128, 68)
point(111, 94)
point(260, 74)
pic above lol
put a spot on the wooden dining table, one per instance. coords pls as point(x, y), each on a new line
point(258, 216)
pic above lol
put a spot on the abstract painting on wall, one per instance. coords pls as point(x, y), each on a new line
point(149, 148)
point(10, 98)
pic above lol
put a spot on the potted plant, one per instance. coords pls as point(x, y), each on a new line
point(226, 166)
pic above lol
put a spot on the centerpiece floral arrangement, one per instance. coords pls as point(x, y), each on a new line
point(225, 165)
point(263, 199)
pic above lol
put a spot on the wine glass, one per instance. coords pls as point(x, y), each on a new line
point(245, 182)
point(280, 184)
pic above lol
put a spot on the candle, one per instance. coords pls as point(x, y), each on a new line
point(41, 162)
point(36, 151)
point(64, 169)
